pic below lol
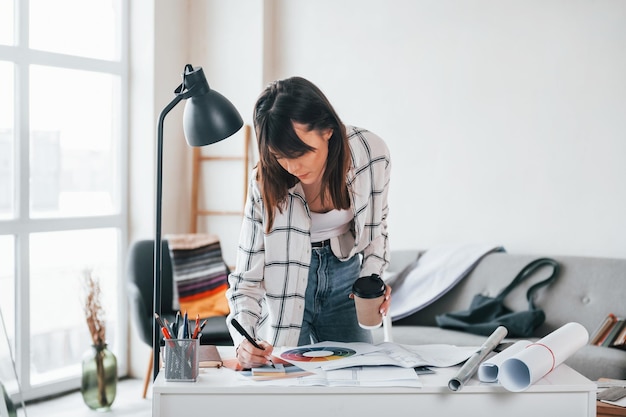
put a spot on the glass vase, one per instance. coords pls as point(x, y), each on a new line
point(99, 380)
point(7, 402)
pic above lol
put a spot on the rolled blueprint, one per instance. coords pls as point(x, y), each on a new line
point(471, 366)
point(538, 359)
point(488, 370)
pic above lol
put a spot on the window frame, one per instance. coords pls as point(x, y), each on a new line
point(21, 225)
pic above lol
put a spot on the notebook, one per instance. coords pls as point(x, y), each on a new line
point(209, 357)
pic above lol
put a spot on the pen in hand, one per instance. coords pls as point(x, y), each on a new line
point(245, 334)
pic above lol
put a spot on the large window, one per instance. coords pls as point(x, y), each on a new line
point(63, 77)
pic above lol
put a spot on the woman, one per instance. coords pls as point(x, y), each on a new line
point(315, 220)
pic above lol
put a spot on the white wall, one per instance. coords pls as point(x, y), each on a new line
point(156, 60)
point(506, 119)
point(228, 44)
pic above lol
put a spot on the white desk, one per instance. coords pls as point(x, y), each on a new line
point(563, 392)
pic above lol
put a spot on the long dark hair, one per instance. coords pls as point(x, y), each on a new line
point(279, 105)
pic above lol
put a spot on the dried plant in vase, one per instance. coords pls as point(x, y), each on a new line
point(94, 312)
point(99, 377)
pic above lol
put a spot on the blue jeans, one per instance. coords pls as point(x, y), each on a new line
point(329, 312)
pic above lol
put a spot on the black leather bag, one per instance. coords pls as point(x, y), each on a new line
point(485, 314)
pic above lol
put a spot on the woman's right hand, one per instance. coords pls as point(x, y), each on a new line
point(251, 357)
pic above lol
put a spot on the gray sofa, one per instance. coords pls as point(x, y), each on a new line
point(586, 290)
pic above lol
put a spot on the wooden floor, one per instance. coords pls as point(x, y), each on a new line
point(128, 402)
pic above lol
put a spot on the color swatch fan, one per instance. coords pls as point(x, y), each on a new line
point(317, 354)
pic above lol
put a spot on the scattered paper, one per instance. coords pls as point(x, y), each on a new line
point(345, 355)
point(378, 376)
point(407, 356)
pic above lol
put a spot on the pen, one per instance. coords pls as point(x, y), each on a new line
point(245, 334)
point(185, 326)
point(176, 323)
point(166, 333)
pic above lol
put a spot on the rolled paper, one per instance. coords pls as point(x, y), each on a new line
point(471, 365)
point(488, 370)
point(523, 369)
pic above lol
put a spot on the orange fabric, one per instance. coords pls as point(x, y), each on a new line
point(207, 306)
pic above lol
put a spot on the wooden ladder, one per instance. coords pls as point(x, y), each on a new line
point(198, 160)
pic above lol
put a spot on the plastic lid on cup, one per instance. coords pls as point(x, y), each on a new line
point(369, 287)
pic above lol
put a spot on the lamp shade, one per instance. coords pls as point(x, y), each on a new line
point(209, 116)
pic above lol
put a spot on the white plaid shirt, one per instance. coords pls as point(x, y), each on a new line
point(267, 287)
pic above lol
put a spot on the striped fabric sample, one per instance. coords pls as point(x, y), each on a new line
point(200, 274)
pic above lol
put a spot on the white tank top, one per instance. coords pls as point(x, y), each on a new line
point(330, 224)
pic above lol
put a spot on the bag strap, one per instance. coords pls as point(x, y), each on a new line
point(527, 271)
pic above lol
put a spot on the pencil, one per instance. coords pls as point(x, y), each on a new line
point(164, 330)
point(158, 319)
point(196, 329)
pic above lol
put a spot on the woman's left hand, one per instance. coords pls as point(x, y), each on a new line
point(384, 307)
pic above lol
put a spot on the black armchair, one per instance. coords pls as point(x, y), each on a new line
point(140, 294)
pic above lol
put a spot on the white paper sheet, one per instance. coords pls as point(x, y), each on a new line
point(408, 356)
point(619, 403)
point(488, 370)
point(526, 367)
point(377, 376)
point(365, 354)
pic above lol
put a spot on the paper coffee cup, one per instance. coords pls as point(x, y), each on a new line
point(369, 293)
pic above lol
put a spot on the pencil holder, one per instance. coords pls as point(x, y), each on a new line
point(180, 358)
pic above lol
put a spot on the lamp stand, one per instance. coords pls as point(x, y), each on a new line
point(158, 248)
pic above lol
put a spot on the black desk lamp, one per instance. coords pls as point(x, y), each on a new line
point(208, 118)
